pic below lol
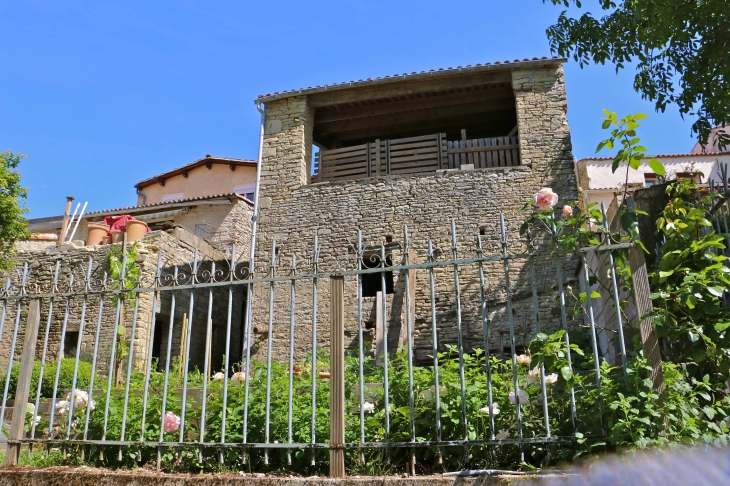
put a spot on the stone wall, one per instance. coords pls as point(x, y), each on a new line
point(177, 249)
point(294, 211)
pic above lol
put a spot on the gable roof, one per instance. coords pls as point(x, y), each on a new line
point(423, 75)
point(208, 161)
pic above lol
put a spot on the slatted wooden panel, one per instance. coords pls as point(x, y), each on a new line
point(484, 152)
point(412, 155)
point(344, 164)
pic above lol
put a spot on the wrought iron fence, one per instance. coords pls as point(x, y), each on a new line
point(138, 399)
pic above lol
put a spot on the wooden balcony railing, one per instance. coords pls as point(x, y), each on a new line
point(427, 153)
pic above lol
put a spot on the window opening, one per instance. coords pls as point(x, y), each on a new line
point(372, 282)
point(650, 179)
point(70, 344)
point(246, 190)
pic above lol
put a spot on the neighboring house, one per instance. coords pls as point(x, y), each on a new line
point(599, 183)
point(712, 143)
point(419, 149)
point(208, 214)
point(204, 177)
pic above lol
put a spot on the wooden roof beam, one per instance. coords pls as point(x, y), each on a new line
point(433, 101)
point(416, 116)
point(445, 83)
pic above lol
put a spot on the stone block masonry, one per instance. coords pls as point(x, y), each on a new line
point(293, 211)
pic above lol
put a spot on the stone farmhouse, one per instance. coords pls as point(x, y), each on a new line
point(418, 149)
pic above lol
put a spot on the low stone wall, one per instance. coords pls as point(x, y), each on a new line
point(88, 476)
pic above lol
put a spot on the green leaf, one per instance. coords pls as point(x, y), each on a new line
point(721, 326)
point(709, 412)
point(657, 167)
point(566, 372)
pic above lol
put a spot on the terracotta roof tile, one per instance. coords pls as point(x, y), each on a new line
point(664, 156)
point(399, 77)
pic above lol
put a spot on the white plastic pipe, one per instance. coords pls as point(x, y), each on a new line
point(78, 221)
point(71, 221)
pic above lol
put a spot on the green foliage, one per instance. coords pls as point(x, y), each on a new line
point(114, 261)
point(690, 282)
point(13, 226)
point(679, 47)
point(65, 377)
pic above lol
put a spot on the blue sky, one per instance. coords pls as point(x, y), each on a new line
point(101, 95)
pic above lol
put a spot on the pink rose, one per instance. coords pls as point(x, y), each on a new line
point(567, 211)
point(546, 198)
point(522, 395)
point(238, 377)
point(171, 423)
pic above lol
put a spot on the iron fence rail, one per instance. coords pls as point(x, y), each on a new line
point(199, 282)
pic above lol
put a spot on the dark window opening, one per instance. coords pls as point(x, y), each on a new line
point(157, 340)
point(372, 283)
point(70, 344)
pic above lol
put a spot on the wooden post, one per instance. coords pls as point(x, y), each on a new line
point(337, 376)
point(64, 225)
point(642, 298)
point(24, 377)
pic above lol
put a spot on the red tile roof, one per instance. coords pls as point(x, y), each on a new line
point(136, 209)
point(208, 159)
point(664, 156)
point(405, 76)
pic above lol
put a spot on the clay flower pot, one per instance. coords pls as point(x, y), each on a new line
point(96, 233)
point(117, 236)
point(106, 240)
point(325, 375)
point(135, 230)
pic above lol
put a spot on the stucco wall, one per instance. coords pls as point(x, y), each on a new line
point(201, 181)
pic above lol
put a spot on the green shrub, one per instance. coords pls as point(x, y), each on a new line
point(65, 377)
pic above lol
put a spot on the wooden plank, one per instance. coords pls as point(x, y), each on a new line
point(413, 157)
point(337, 376)
point(507, 151)
point(23, 385)
point(512, 132)
point(377, 157)
point(385, 107)
point(469, 155)
point(387, 157)
point(369, 161)
point(441, 139)
point(346, 150)
point(483, 149)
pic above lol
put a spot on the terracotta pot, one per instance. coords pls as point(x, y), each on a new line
point(135, 230)
point(325, 375)
point(106, 240)
point(96, 233)
point(117, 236)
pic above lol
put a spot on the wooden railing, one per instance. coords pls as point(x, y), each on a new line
point(427, 153)
point(484, 152)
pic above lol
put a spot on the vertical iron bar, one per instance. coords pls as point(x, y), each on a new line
point(616, 303)
point(94, 358)
point(59, 356)
point(315, 271)
point(186, 338)
point(409, 347)
point(206, 373)
point(151, 333)
point(594, 341)
point(272, 271)
point(54, 287)
point(385, 350)
point(173, 295)
point(536, 311)
point(227, 365)
point(485, 334)
point(130, 360)
point(434, 349)
point(361, 371)
point(460, 342)
point(82, 324)
point(510, 320)
point(564, 319)
point(291, 354)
